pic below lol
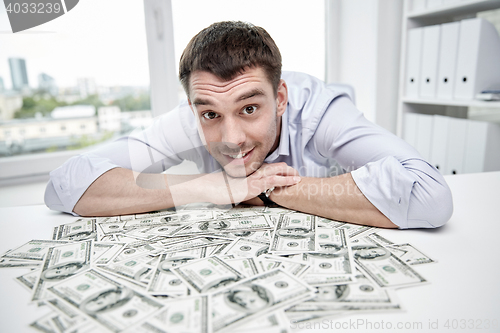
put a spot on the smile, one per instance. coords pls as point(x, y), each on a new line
point(240, 155)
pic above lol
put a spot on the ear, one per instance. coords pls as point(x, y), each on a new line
point(281, 98)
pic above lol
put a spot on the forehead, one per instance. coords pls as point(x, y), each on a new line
point(206, 83)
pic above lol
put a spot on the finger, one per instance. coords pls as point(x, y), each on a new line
point(276, 169)
point(279, 181)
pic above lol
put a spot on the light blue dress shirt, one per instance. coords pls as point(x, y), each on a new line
point(322, 135)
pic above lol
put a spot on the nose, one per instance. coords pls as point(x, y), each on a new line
point(233, 133)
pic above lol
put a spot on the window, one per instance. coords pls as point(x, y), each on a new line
point(70, 67)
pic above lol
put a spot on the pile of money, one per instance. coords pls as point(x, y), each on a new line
point(206, 268)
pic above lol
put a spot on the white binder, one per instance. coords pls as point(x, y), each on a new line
point(413, 59)
point(434, 3)
point(418, 5)
point(424, 135)
point(475, 146)
point(439, 146)
point(457, 130)
point(430, 58)
point(482, 147)
point(447, 59)
point(410, 128)
point(478, 65)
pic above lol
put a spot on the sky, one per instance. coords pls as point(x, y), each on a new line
point(106, 39)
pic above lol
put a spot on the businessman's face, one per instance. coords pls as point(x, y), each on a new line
point(239, 120)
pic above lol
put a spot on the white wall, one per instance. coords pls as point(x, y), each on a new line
point(363, 41)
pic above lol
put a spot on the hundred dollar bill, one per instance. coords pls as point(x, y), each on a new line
point(135, 270)
point(28, 280)
point(276, 322)
point(293, 233)
point(163, 281)
point(193, 243)
point(380, 240)
point(245, 248)
point(110, 304)
point(62, 262)
point(181, 315)
point(259, 235)
point(137, 249)
point(64, 323)
point(409, 254)
point(327, 223)
point(81, 229)
point(45, 324)
point(108, 252)
point(255, 296)
point(18, 263)
point(246, 266)
point(207, 275)
point(228, 225)
point(332, 241)
point(32, 250)
point(361, 295)
point(355, 230)
point(268, 263)
point(382, 266)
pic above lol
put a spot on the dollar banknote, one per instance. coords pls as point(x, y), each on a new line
point(32, 250)
point(181, 315)
point(255, 296)
point(81, 229)
point(293, 233)
point(62, 262)
point(257, 222)
point(245, 248)
point(207, 275)
point(112, 305)
point(382, 266)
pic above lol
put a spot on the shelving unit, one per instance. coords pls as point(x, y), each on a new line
point(446, 12)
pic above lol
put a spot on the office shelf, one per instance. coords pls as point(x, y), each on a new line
point(455, 9)
point(462, 103)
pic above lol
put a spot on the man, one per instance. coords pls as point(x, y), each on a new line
point(290, 133)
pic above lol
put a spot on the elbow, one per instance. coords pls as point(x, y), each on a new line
point(442, 207)
point(432, 210)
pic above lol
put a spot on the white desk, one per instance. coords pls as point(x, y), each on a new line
point(464, 284)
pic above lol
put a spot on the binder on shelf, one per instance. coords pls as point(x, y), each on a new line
point(457, 129)
point(424, 135)
point(430, 57)
point(439, 142)
point(447, 60)
point(418, 5)
point(410, 128)
point(478, 65)
point(413, 59)
point(434, 4)
point(482, 147)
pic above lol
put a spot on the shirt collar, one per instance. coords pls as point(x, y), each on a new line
point(284, 146)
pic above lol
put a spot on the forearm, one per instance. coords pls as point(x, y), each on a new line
point(336, 198)
point(119, 192)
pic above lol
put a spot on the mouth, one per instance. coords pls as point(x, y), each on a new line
point(241, 156)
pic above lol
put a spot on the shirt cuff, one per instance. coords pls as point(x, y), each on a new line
point(387, 185)
point(73, 178)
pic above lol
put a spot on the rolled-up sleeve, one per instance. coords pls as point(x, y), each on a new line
point(389, 172)
point(146, 150)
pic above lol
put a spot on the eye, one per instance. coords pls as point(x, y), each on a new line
point(249, 109)
point(210, 115)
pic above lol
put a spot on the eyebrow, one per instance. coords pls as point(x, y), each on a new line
point(247, 95)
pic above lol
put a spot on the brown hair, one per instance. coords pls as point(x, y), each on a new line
point(225, 49)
